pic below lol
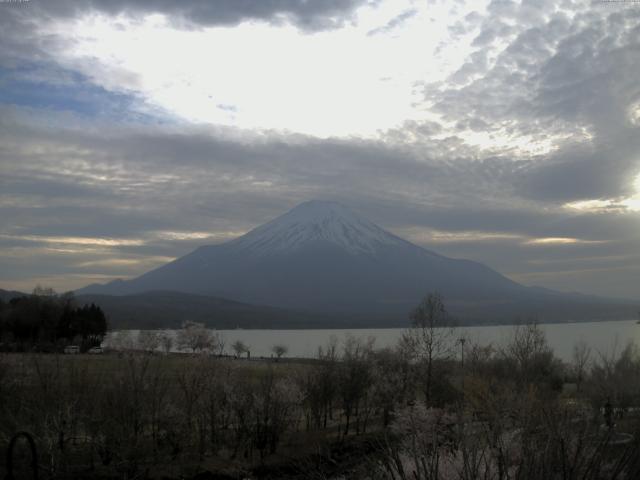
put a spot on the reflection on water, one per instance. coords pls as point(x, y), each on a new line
point(603, 337)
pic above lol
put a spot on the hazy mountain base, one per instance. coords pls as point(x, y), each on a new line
point(172, 309)
point(164, 309)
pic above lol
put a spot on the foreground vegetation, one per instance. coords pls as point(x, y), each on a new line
point(433, 407)
point(504, 415)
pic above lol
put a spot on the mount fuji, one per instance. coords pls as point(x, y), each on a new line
point(322, 257)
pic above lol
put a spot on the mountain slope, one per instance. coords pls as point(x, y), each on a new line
point(322, 257)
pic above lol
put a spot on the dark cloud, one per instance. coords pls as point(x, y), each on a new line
point(24, 43)
point(307, 15)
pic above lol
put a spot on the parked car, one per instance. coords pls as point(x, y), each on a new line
point(95, 350)
point(72, 349)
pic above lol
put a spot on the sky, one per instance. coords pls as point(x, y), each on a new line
point(506, 132)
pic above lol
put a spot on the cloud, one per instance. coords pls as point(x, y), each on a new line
point(134, 164)
point(311, 16)
point(394, 23)
point(189, 14)
point(558, 75)
point(38, 69)
point(143, 182)
point(535, 118)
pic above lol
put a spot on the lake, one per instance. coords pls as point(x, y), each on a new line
point(603, 337)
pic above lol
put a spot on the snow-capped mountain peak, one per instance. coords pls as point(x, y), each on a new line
point(317, 222)
point(322, 257)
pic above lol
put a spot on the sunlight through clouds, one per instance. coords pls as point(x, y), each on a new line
point(333, 83)
point(101, 242)
point(631, 203)
point(559, 241)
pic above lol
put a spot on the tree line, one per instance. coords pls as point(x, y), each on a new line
point(46, 321)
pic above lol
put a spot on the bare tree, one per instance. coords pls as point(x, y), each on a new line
point(432, 336)
point(156, 400)
point(580, 361)
point(530, 355)
point(319, 385)
point(239, 348)
point(355, 375)
point(217, 344)
point(192, 383)
point(527, 342)
point(279, 350)
point(215, 403)
point(392, 379)
point(614, 375)
point(271, 409)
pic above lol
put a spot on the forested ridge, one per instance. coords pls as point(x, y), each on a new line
point(46, 321)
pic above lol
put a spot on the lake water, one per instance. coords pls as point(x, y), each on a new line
point(603, 337)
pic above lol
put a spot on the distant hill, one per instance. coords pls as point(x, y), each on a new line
point(166, 309)
point(162, 309)
point(6, 295)
point(321, 257)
